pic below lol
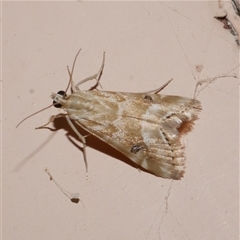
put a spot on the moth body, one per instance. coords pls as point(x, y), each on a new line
point(144, 127)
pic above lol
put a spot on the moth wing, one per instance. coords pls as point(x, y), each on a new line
point(145, 127)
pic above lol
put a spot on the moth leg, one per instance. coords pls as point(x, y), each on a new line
point(160, 88)
point(96, 77)
point(81, 137)
point(51, 120)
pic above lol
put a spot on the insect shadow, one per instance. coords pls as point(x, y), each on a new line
point(92, 142)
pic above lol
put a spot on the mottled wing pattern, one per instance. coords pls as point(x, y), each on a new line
point(144, 127)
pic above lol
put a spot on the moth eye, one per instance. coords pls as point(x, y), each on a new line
point(56, 104)
point(137, 147)
point(61, 92)
point(149, 98)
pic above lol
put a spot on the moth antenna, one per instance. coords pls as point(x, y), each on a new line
point(70, 80)
point(71, 73)
point(34, 114)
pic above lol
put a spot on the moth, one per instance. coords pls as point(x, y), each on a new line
point(146, 127)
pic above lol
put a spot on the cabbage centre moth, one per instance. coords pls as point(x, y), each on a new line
point(146, 127)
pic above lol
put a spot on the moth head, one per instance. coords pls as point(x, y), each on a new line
point(57, 98)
